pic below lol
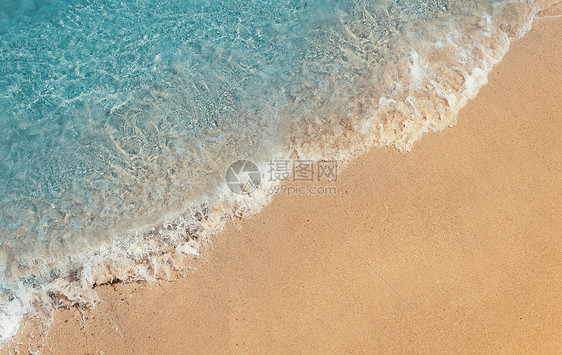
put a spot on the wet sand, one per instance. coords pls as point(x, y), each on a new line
point(453, 247)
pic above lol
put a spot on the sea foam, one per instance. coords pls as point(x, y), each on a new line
point(120, 126)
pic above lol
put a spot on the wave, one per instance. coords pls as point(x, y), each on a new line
point(368, 74)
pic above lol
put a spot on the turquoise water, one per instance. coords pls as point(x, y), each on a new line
point(118, 116)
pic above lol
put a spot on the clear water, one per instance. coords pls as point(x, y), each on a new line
point(118, 116)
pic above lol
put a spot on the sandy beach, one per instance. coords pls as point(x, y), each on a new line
point(454, 247)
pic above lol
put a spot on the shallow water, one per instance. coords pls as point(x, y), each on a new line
point(120, 118)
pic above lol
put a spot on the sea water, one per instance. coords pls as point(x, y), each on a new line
point(119, 118)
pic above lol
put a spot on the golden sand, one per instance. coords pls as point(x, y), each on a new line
point(453, 247)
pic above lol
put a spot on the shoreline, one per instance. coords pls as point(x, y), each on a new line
point(250, 293)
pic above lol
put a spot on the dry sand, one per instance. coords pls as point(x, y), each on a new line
point(454, 247)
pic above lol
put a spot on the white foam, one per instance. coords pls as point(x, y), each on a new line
point(398, 118)
point(11, 316)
